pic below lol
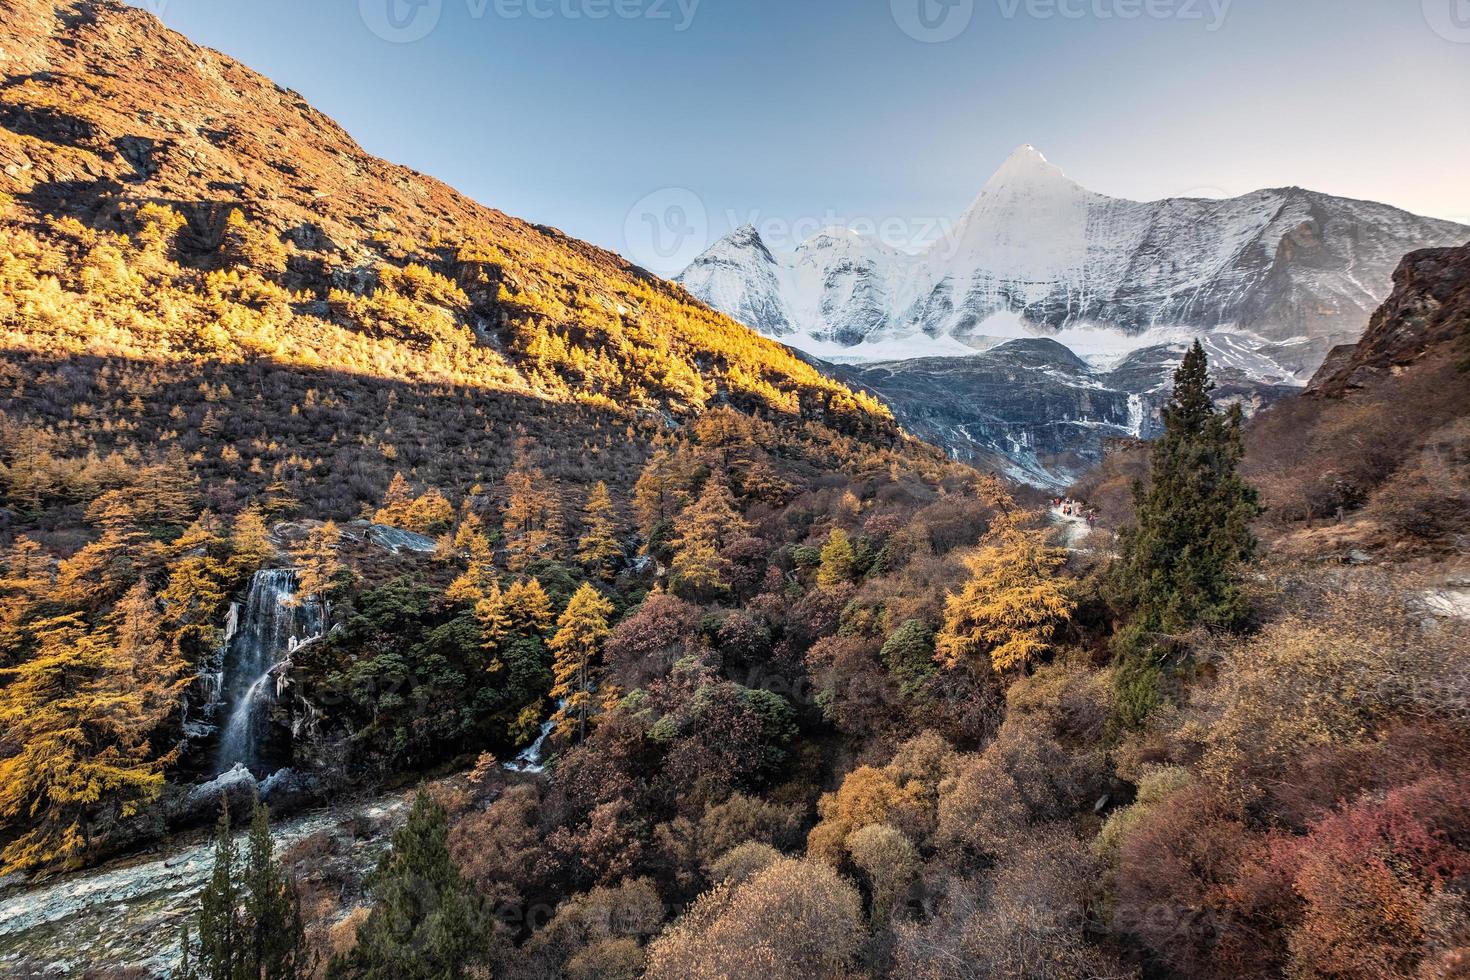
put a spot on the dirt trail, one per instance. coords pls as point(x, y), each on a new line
point(1075, 530)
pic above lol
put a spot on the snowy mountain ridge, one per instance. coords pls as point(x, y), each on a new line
point(1291, 272)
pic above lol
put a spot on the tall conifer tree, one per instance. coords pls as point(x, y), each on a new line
point(598, 548)
point(249, 923)
point(1180, 566)
point(427, 923)
point(582, 630)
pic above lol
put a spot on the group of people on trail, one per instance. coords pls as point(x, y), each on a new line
point(1068, 507)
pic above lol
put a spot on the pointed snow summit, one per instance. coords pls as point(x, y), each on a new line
point(738, 273)
point(1028, 167)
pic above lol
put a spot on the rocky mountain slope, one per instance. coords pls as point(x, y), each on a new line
point(166, 208)
point(1428, 313)
point(218, 314)
point(1376, 454)
point(1035, 410)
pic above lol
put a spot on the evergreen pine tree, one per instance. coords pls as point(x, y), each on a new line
point(185, 970)
point(249, 918)
point(1180, 565)
point(427, 924)
point(219, 954)
point(274, 936)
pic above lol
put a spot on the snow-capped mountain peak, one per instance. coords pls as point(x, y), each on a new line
point(1028, 226)
point(739, 275)
point(1037, 251)
point(1026, 167)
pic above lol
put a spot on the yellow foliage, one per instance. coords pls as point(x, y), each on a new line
point(1009, 610)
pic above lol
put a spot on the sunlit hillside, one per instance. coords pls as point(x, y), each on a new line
point(189, 218)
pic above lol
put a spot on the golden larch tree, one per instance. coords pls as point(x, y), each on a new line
point(581, 632)
point(316, 560)
point(660, 492)
point(250, 543)
point(529, 607)
point(1009, 610)
point(431, 513)
point(78, 715)
point(598, 549)
point(532, 517)
point(396, 502)
point(839, 560)
point(705, 528)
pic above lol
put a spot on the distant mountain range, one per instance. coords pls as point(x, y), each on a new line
point(1272, 281)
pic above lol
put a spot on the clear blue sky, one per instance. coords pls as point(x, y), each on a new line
point(804, 109)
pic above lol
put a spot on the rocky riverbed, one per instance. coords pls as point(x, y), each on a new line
point(129, 913)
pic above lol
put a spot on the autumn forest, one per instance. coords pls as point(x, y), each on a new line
point(454, 599)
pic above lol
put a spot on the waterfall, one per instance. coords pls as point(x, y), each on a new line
point(1135, 416)
point(530, 760)
point(271, 627)
point(202, 700)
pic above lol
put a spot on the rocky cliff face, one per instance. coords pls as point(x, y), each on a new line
point(1376, 457)
point(1429, 309)
point(1034, 410)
